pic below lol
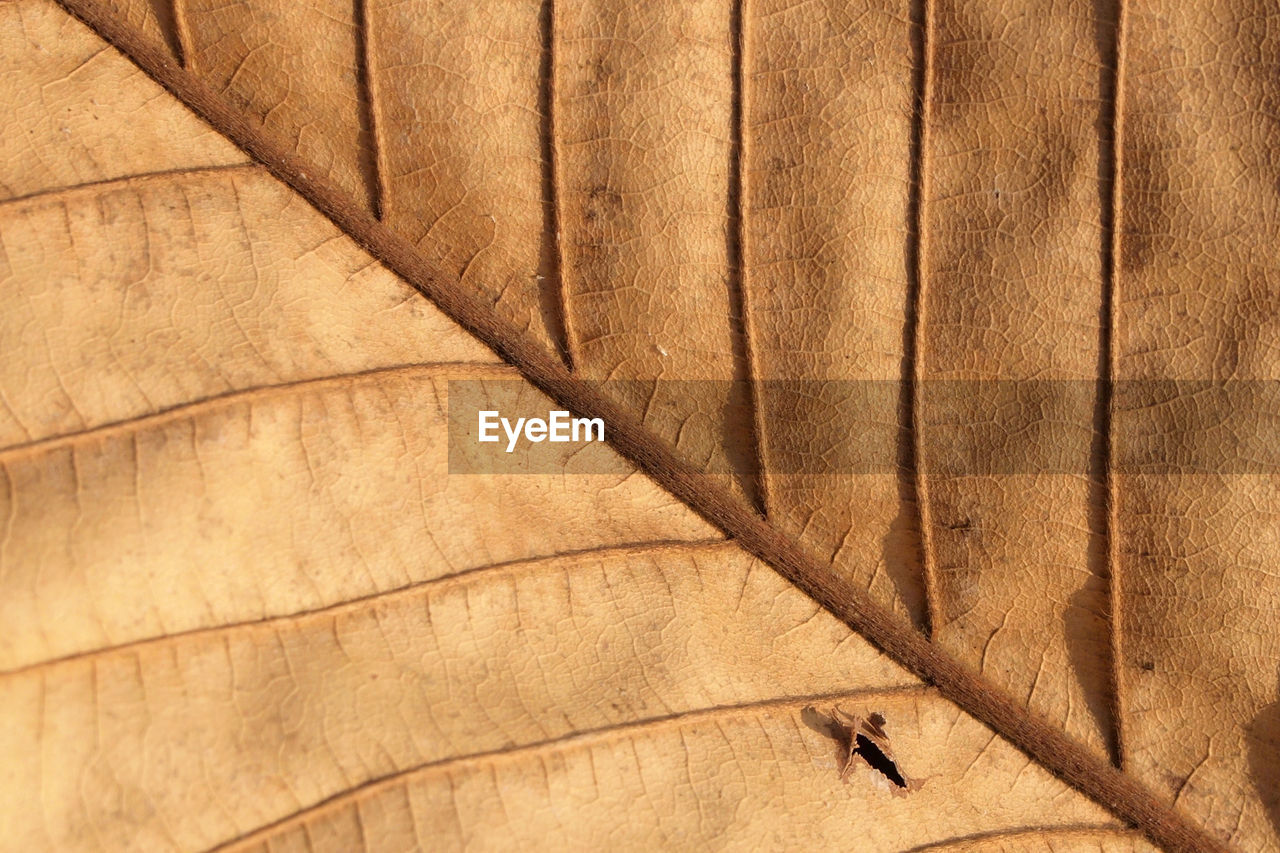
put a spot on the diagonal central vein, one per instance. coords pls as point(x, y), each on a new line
point(1127, 798)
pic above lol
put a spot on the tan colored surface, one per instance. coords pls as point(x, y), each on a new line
point(457, 144)
point(829, 157)
point(235, 570)
point(1199, 295)
point(643, 145)
point(59, 133)
point(735, 778)
point(1012, 280)
point(291, 68)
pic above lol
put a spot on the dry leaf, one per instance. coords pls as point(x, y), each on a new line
point(842, 282)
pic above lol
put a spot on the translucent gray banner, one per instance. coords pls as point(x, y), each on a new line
point(855, 427)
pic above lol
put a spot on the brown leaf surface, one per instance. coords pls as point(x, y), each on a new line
point(244, 602)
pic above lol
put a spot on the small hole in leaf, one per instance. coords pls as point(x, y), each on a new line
point(864, 738)
point(878, 760)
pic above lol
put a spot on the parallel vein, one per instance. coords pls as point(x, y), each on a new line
point(682, 546)
point(914, 333)
point(241, 395)
point(375, 167)
point(57, 193)
point(579, 738)
point(1112, 231)
point(745, 371)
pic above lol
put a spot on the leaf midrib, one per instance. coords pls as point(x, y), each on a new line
point(1050, 747)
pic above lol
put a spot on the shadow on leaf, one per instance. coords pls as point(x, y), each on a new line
point(1264, 759)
